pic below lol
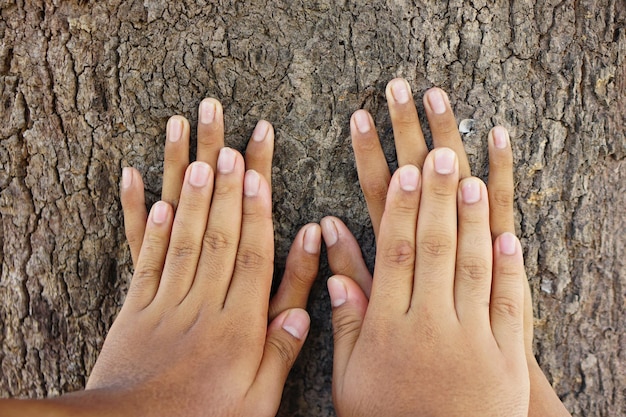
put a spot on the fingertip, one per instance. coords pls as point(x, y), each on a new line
point(361, 121)
point(399, 91)
point(436, 100)
point(508, 244)
point(261, 131)
point(297, 322)
point(209, 111)
point(312, 239)
point(329, 231)
point(160, 212)
point(337, 290)
point(500, 137)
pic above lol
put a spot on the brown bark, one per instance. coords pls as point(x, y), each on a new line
point(87, 86)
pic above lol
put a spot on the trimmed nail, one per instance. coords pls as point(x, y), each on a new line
point(127, 177)
point(409, 177)
point(400, 91)
point(508, 244)
point(174, 129)
point(470, 191)
point(251, 183)
point(199, 175)
point(499, 137)
point(312, 240)
point(437, 101)
point(260, 131)
point(207, 112)
point(445, 161)
point(159, 212)
point(296, 324)
point(362, 120)
point(329, 230)
point(226, 161)
point(337, 291)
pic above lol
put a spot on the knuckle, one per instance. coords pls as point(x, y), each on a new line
point(286, 351)
point(507, 306)
point(503, 198)
point(474, 268)
point(182, 250)
point(216, 240)
point(250, 259)
point(436, 245)
point(400, 254)
point(374, 189)
point(346, 326)
point(301, 276)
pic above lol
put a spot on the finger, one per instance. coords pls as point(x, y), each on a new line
point(176, 159)
point(221, 239)
point(147, 276)
point(444, 128)
point(300, 271)
point(187, 233)
point(349, 307)
point(507, 296)
point(472, 285)
point(395, 257)
point(134, 207)
point(371, 165)
point(210, 131)
point(285, 336)
point(260, 150)
point(344, 254)
point(500, 184)
point(252, 279)
point(437, 233)
point(407, 132)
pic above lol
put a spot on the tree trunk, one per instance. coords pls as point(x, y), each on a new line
point(87, 87)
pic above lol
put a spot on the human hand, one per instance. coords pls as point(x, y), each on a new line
point(442, 333)
point(303, 260)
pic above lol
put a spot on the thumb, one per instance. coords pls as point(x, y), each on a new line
point(349, 306)
point(285, 336)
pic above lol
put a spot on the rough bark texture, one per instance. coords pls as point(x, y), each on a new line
point(87, 86)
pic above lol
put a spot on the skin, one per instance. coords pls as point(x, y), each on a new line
point(192, 337)
point(343, 251)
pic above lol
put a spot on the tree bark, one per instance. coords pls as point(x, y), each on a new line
point(87, 87)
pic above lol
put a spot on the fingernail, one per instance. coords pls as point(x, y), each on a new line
point(362, 120)
point(127, 177)
point(409, 176)
point(437, 101)
point(174, 129)
point(207, 112)
point(337, 291)
point(508, 244)
point(251, 184)
point(159, 212)
point(499, 137)
point(445, 161)
point(226, 161)
point(312, 240)
point(470, 191)
point(199, 175)
point(260, 131)
point(296, 324)
point(329, 230)
point(400, 91)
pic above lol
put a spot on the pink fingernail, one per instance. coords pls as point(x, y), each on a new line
point(499, 137)
point(226, 161)
point(174, 129)
point(409, 177)
point(508, 244)
point(207, 112)
point(260, 131)
point(312, 240)
point(329, 230)
point(251, 184)
point(362, 120)
point(127, 177)
point(470, 191)
point(437, 101)
point(337, 291)
point(159, 214)
point(400, 91)
point(297, 324)
point(445, 161)
point(199, 175)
